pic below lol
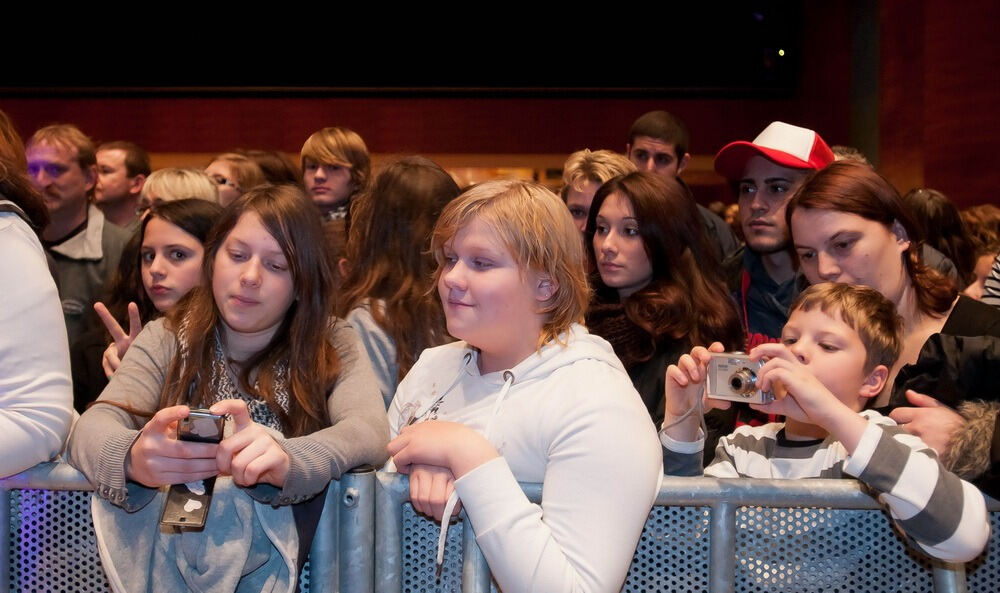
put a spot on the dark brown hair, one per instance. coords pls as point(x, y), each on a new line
point(662, 126)
point(193, 216)
point(983, 223)
point(302, 338)
point(856, 188)
point(686, 297)
point(389, 259)
point(136, 157)
point(942, 228)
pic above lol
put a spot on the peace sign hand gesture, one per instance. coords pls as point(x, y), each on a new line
point(116, 350)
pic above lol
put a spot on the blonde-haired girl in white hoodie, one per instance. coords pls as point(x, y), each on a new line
point(526, 395)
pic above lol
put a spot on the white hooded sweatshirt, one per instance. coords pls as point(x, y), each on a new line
point(568, 417)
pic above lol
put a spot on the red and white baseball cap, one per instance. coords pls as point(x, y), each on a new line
point(784, 144)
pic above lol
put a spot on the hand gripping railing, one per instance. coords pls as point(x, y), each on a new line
point(706, 534)
point(340, 558)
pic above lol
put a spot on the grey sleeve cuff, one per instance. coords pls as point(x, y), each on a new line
point(111, 481)
point(311, 467)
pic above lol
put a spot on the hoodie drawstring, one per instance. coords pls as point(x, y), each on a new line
point(449, 507)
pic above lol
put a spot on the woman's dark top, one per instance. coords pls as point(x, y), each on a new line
point(960, 363)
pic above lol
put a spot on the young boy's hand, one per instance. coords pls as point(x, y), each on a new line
point(682, 388)
point(798, 393)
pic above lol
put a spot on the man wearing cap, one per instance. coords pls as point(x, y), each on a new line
point(658, 142)
point(766, 173)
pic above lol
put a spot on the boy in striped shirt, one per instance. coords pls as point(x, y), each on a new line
point(835, 354)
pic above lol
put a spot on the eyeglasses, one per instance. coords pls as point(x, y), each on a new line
point(220, 180)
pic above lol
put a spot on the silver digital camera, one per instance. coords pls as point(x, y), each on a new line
point(733, 376)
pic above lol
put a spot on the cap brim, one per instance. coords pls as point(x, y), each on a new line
point(732, 159)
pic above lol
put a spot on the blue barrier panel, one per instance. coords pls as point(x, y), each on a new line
point(706, 534)
point(983, 573)
point(703, 535)
point(50, 545)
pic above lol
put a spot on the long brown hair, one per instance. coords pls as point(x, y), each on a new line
point(942, 227)
point(388, 253)
point(686, 296)
point(856, 188)
point(302, 340)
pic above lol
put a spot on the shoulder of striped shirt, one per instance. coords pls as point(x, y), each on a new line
point(748, 442)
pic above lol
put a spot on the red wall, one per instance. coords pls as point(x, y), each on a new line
point(940, 120)
point(433, 125)
point(478, 123)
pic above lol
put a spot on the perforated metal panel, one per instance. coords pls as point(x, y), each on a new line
point(53, 547)
point(304, 578)
point(419, 549)
point(824, 550)
point(983, 573)
point(673, 552)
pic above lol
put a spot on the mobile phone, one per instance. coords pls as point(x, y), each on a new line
point(187, 504)
point(201, 426)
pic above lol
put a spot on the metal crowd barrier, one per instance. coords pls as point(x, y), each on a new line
point(49, 544)
point(703, 535)
point(707, 534)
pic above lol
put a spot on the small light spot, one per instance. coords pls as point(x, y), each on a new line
point(781, 52)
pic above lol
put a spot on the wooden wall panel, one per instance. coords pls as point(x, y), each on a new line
point(389, 125)
point(475, 124)
point(962, 100)
point(940, 125)
point(901, 111)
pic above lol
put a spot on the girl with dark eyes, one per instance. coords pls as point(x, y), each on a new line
point(657, 291)
point(850, 225)
point(162, 263)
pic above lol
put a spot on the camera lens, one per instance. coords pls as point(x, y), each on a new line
point(743, 381)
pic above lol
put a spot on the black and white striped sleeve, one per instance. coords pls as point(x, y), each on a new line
point(944, 515)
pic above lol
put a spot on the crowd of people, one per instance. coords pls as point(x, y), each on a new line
point(478, 337)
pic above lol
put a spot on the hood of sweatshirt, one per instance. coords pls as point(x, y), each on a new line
point(575, 345)
point(446, 383)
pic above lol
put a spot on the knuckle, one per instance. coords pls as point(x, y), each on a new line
point(226, 448)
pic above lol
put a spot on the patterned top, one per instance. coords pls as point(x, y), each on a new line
point(224, 386)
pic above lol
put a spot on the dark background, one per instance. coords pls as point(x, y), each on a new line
point(914, 85)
